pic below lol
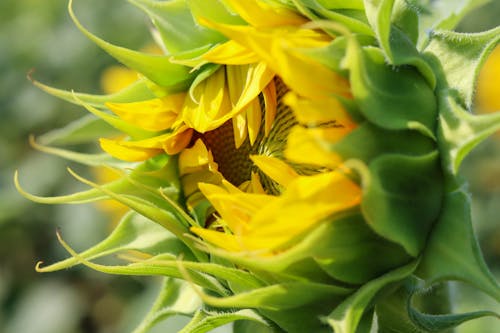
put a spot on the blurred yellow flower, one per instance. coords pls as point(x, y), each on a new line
point(488, 85)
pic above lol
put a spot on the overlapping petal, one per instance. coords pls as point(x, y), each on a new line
point(264, 223)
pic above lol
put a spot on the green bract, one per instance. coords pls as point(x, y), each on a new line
point(412, 98)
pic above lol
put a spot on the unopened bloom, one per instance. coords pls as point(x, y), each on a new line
point(303, 156)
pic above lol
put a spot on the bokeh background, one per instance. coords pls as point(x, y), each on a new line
point(39, 35)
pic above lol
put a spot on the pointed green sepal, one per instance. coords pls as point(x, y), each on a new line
point(116, 122)
point(95, 160)
point(391, 98)
point(214, 11)
point(347, 317)
point(460, 131)
point(178, 29)
point(83, 130)
point(155, 67)
point(458, 57)
point(352, 18)
point(134, 232)
point(395, 24)
point(368, 141)
point(452, 251)
point(176, 297)
point(137, 91)
point(402, 198)
point(396, 312)
point(204, 320)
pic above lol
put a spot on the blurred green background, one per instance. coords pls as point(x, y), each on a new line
point(39, 35)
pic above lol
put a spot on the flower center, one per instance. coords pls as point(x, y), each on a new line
point(234, 163)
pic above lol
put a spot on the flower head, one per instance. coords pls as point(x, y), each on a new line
point(302, 156)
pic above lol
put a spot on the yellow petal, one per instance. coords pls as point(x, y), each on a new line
point(231, 53)
point(154, 115)
point(303, 147)
point(254, 118)
point(253, 78)
point(308, 77)
point(195, 159)
point(253, 185)
point(224, 241)
point(244, 84)
point(177, 141)
point(270, 102)
point(212, 102)
point(314, 112)
point(140, 150)
point(260, 14)
point(275, 168)
point(236, 209)
point(281, 48)
point(308, 200)
point(127, 153)
point(239, 129)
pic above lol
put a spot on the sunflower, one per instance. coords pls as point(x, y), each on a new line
point(280, 145)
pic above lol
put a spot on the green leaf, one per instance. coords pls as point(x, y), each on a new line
point(215, 11)
point(177, 27)
point(95, 160)
point(205, 321)
point(379, 13)
point(395, 312)
point(352, 19)
point(402, 198)
point(439, 323)
point(452, 251)
point(333, 54)
point(392, 98)
point(134, 232)
point(405, 16)
point(118, 123)
point(170, 266)
point(368, 141)
point(246, 326)
point(279, 297)
point(175, 298)
point(83, 130)
point(345, 247)
point(137, 91)
point(459, 131)
point(458, 57)
point(307, 318)
point(167, 217)
point(396, 27)
point(347, 317)
point(341, 4)
point(148, 172)
point(156, 68)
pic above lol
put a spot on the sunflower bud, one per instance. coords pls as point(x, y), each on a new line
point(297, 160)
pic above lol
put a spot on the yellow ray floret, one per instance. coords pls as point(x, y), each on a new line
point(196, 158)
point(264, 223)
point(231, 53)
point(276, 169)
point(140, 150)
point(225, 94)
point(153, 115)
point(323, 122)
point(260, 14)
point(281, 48)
